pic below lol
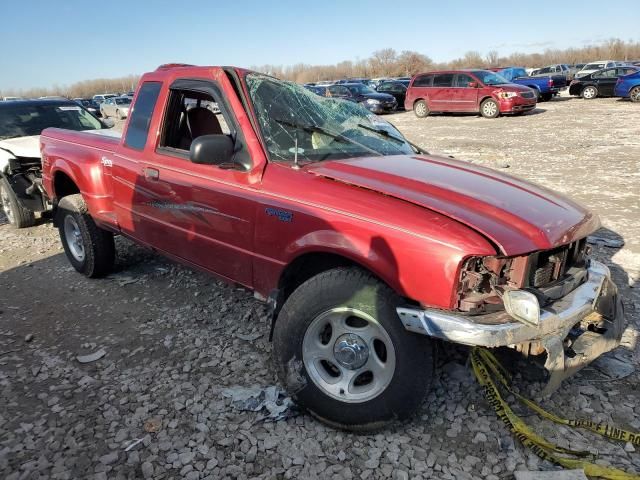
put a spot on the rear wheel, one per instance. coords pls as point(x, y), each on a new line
point(421, 109)
point(634, 94)
point(590, 92)
point(90, 249)
point(17, 215)
point(489, 108)
point(546, 97)
point(344, 355)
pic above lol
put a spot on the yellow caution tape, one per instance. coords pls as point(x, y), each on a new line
point(483, 362)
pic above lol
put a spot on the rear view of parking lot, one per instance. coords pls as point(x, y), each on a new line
point(157, 405)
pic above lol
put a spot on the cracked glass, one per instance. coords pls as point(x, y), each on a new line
point(298, 125)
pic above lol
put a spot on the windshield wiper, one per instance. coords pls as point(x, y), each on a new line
point(336, 136)
point(386, 134)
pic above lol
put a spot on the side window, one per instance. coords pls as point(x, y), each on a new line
point(191, 114)
point(141, 116)
point(423, 81)
point(339, 90)
point(443, 80)
point(463, 80)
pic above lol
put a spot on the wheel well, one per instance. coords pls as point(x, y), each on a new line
point(63, 185)
point(486, 98)
point(306, 266)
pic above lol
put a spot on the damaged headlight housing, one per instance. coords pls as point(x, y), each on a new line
point(507, 94)
point(523, 306)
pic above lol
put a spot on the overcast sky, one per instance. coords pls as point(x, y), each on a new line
point(61, 42)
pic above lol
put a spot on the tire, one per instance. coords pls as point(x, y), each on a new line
point(17, 215)
point(421, 109)
point(393, 368)
point(546, 97)
point(489, 108)
point(538, 95)
point(90, 249)
point(634, 94)
point(589, 92)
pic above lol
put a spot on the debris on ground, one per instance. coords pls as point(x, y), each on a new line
point(274, 401)
point(605, 242)
point(92, 357)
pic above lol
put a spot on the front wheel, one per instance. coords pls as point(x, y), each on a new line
point(343, 354)
point(634, 94)
point(589, 93)
point(421, 109)
point(17, 215)
point(90, 249)
point(489, 108)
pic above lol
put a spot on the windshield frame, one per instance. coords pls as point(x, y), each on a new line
point(353, 112)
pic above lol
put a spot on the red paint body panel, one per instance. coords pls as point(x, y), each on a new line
point(412, 221)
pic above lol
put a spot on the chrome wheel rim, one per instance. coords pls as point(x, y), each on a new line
point(73, 236)
point(635, 95)
point(421, 109)
point(5, 200)
point(589, 92)
point(489, 109)
point(348, 355)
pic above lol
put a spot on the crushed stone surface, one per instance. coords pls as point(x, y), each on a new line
point(175, 340)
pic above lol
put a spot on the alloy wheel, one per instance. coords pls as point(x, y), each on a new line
point(5, 200)
point(73, 236)
point(348, 355)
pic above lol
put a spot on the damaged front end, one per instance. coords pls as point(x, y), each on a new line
point(557, 302)
point(24, 175)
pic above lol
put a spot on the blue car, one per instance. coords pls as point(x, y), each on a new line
point(628, 87)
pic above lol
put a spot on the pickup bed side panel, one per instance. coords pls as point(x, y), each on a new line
point(79, 156)
point(417, 252)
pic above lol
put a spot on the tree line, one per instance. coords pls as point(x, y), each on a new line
point(386, 62)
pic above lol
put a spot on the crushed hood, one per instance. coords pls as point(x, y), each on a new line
point(517, 216)
point(22, 146)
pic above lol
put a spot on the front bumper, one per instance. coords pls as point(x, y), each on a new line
point(566, 330)
point(378, 108)
point(517, 104)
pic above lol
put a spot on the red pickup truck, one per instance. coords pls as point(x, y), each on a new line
point(368, 249)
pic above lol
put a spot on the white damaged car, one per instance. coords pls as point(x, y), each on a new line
point(21, 122)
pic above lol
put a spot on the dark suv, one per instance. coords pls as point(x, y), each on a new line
point(365, 96)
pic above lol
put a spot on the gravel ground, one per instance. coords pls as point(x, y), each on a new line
point(154, 405)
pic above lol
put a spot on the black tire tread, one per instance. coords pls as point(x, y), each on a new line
point(319, 290)
point(100, 247)
point(22, 217)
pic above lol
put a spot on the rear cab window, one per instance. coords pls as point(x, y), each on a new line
point(138, 128)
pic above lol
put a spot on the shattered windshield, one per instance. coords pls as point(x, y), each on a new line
point(299, 125)
point(25, 120)
point(490, 78)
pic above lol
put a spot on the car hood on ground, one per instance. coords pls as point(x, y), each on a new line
point(517, 216)
point(22, 146)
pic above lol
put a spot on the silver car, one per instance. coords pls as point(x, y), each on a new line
point(116, 107)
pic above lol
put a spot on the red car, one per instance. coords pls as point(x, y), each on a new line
point(467, 91)
point(367, 248)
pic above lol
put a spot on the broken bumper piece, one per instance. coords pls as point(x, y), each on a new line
point(574, 330)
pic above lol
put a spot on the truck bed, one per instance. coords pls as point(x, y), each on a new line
point(86, 154)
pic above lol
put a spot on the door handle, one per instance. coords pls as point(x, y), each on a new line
point(151, 173)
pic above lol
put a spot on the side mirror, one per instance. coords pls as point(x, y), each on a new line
point(211, 150)
point(473, 84)
point(108, 122)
